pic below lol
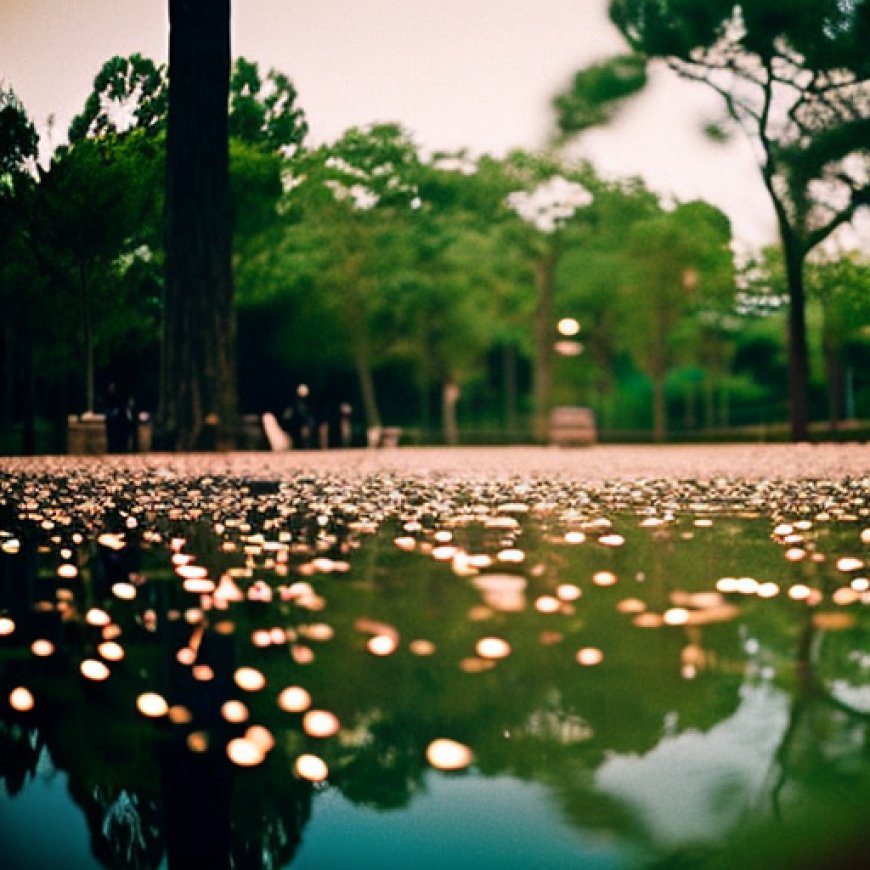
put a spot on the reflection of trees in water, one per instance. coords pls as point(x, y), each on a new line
point(536, 716)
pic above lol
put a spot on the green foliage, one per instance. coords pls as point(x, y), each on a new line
point(128, 92)
point(263, 109)
point(598, 92)
point(18, 137)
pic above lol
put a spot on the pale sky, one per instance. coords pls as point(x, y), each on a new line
point(456, 73)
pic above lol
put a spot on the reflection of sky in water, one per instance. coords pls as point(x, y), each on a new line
point(458, 822)
point(66, 842)
point(692, 786)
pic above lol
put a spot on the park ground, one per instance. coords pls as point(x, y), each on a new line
point(601, 462)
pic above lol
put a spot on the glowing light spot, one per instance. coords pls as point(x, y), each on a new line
point(278, 636)
point(574, 537)
point(180, 715)
point(568, 326)
point(845, 595)
point(493, 648)
point(112, 540)
point(445, 754)
point(97, 617)
point(783, 529)
point(249, 679)
point(42, 648)
point(860, 584)
point(202, 673)
point(260, 736)
point(311, 767)
point(405, 542)
point(11, 546)
point(294, 699)
point(382, 645)
point(727, 584)
point(703, 523)
point(648, 620)
point(589, 656)
point(547, 604)
point(320, 723)
point(631, 605)
point(795, 554)
point(865, 536)
point(7, 626)
point(197, 741)
point(261, 638)
point(93, 669)
point(768, 590)
point(319, 631)
point(676, 616)
point(302, 655)
point(511, 555)
point(747, 585)
point(111, 651)
point(199, 585)
point(799, 592)
point(568, 592)
point(185, 656)
point(124, 591)
point(152, 705)
point(244, 752)
point(612, 540)
point(604, 578)
point(422, 647)
point(21, 699)
point(444, 553)
point(234, 711)
point(67, 571)
point(848, 564)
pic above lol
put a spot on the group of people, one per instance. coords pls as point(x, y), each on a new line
point(306, 431)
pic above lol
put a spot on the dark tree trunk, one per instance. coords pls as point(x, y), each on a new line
point(511, 392)
point(198, 405)
point(798, 368)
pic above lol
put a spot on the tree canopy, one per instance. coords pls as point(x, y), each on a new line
point(795, 77)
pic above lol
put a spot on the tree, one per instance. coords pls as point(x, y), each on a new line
point(550, 203)
point(842, 287)
point(128, 92)
point(343, 207)
point(18, 146)
point(95, 207)
point(598, 92)
point(198, 402)
point(679, 259)
point(263, 110)
point(795, 78)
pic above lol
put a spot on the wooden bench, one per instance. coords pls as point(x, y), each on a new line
point(572, 426)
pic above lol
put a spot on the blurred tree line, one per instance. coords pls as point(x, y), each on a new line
point(423, 289)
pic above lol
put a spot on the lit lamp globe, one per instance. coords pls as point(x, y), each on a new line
point(568, 326)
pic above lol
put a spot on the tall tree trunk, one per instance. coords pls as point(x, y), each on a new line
point(509, 375)
point(449, 423)
point(542, 376)
point(660, 429)
point(798, 366)
point(198, 403)
point(363, 362)
point(8, 407)
point(28, 388)
point(84, 283)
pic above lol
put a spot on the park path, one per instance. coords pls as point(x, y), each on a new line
point(601, 462)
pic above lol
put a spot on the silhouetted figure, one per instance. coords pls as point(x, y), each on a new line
point(299, 421)
point(119, 421)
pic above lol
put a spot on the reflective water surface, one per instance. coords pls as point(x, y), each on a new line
point(433, 672)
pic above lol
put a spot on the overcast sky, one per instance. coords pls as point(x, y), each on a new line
point(456, 73)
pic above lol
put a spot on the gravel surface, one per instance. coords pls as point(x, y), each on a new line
point(604, 462)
